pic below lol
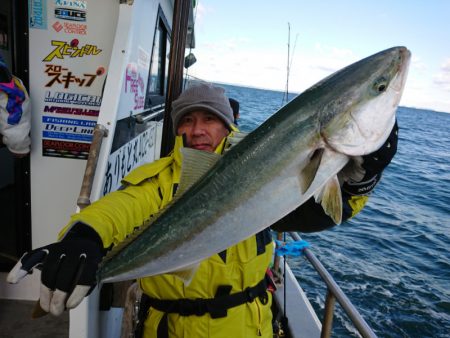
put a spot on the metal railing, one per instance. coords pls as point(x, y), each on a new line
point(150, 114)
point(334, 293)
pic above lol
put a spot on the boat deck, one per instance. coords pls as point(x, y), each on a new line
point(16, 321)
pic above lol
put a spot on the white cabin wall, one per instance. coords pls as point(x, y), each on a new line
point(132, 47)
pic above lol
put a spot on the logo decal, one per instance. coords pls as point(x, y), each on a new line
point(57, 26)
point(71, 49)
point(68, 129)
point(78, 4)
point(66, 149)
point(71, 111)
point(65, 77)
point(70, 28)
point(70, 14)
point(73, 98)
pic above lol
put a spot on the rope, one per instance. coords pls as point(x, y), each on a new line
point(293, 249)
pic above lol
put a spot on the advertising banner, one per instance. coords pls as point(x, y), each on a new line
point(70, 49)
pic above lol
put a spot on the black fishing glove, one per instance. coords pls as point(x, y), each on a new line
point(361, 175)
point(68, 268)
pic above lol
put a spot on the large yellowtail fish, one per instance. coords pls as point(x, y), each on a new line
point(291, 157)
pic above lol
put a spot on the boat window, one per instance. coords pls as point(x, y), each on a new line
point(166, 71)
point(159, 66)
point(155, 71)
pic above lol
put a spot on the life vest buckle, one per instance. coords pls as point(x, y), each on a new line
point(251, 294)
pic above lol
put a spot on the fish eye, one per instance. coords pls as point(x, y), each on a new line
point(381, 88)
point(380, 85)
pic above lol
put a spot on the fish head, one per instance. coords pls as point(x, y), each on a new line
point(363, 99)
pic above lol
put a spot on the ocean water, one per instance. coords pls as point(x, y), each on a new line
point(393, 259)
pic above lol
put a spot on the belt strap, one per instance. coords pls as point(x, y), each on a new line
point(217, 307)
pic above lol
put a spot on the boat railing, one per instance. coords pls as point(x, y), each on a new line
point(334, 292)
point(150, 114)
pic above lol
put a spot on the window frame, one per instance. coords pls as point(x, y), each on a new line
point(163, 33)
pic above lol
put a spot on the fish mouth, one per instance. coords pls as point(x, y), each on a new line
point(403, 69)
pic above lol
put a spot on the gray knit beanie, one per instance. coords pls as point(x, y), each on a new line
point(206, 97)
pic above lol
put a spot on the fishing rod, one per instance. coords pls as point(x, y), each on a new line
point(289, 64)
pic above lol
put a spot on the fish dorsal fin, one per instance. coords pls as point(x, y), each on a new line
point(330, 198)
point(309, 172)
point(195, 164)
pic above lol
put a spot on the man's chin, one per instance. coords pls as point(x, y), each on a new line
point(203, 147)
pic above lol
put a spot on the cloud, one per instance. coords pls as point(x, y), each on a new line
point(442, 78)
point(233, 60)
point(237, 61)
point(446, 65)
point(233, 44)
point(328, 59)
point(313, 65)
point(202, 12)
point(418, 64)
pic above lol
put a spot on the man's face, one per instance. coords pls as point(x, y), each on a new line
point(203, 130)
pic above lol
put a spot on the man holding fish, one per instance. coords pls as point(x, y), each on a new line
point(204, 274)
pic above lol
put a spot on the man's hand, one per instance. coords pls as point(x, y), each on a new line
point(16, 155)
point(361, 175)
point(68, 269)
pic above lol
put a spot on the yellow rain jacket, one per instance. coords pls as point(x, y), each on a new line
point(147, 190)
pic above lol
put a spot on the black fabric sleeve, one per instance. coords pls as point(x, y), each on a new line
point(373, 165)
point(310, 217)
point(83, 231)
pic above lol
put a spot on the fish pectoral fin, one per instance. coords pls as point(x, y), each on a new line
point(330, 198)
point(309, 172)
point(194, 165)
point(186, 274)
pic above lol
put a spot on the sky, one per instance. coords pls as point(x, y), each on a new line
point(246, 42)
